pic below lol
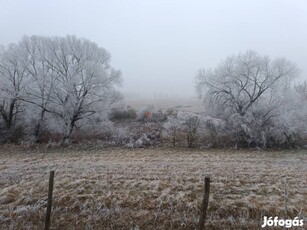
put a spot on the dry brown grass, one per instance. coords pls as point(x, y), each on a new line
point(149, 188)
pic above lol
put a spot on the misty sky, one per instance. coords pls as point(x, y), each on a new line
point(159, 45)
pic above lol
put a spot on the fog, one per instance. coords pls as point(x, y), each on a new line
point(160, 45)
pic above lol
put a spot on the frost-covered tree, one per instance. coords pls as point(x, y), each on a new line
point(66, 77)
point(172, 128)
point(291, 124)
point(184, 123)
point(42, 76)
point(191, 126)
point(13, 80)
point(86, 83)
point(247, 91)
point(215, 126)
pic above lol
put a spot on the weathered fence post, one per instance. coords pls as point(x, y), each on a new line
point(205, 203)
point(49, 204)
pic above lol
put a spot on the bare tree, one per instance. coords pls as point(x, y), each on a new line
point(247, 87)
point(192, 125)
point(13, 80)
point(85, 81)
point(67, 77)
point(215, 126)
point(186, 124)
point(172, 128)
point(42, 76)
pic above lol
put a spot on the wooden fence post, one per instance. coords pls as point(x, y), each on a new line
point(205, 203)
point(49, 204)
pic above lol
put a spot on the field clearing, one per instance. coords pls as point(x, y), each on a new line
point(149, 188)
point(189, 104)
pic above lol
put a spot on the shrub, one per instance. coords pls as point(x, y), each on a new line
point(122, 115)
point(184, 123)
point(145, 113)
point(13, 135)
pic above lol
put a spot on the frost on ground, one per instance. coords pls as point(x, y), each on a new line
point(150, 188)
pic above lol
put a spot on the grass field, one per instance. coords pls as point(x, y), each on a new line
point(190, 104)
point(149, 188)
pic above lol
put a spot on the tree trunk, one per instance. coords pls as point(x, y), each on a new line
point(8, 115)
point(38, 128)
point(190, 140)
point(68, 132)
point(11, 114)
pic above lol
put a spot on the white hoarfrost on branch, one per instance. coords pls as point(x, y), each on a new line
point(13, 81)
point(249, 92)
point(189, 124)
point(215, 127)
point(172, 128)
point(86, 82)
point(66, 77)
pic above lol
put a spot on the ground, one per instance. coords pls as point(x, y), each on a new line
point(149, 188)
point(192, 104)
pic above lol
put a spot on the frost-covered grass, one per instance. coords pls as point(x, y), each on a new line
point(181, 104)
point(149, 188)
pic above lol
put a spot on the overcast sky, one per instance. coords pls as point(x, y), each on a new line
point(159, 45)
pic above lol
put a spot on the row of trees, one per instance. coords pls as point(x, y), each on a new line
point(61, 83)
point(66, 80)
